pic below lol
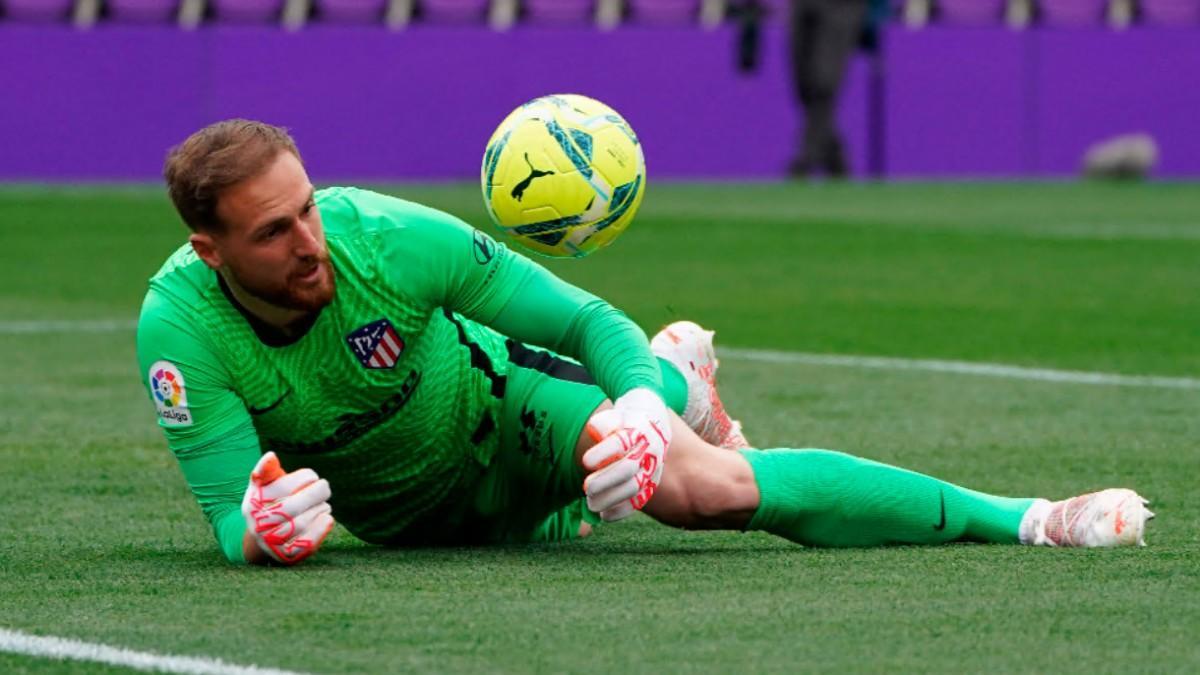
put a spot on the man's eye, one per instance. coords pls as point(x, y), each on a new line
point(308, 207)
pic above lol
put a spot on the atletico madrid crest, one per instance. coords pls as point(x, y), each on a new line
point(377, 345)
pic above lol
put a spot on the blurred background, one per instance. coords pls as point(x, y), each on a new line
point(962, 233)
point(411, 89)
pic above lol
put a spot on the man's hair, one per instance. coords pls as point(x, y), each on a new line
point(216, 157)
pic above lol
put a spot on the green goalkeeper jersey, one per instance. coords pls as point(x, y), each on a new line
point(393, 392)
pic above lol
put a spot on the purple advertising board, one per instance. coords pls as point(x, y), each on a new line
point(367, 103)
point(371, 104)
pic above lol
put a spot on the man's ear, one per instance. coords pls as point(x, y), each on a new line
point(205, 247)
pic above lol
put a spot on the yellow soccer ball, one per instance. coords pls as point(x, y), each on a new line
point(563, 176)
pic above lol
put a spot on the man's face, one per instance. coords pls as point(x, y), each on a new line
point(273, 243)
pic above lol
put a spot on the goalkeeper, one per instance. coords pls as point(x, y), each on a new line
point(341, 352)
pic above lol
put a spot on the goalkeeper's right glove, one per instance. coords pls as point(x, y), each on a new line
point(287, 514)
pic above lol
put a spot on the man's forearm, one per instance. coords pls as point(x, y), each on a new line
point(551, 313)
point(613, 349)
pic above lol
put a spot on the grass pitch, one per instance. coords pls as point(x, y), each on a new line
point(100, 541)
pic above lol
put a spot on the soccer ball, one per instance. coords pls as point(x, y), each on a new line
point(563, 176)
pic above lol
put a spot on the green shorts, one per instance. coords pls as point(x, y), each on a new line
point(531, 491)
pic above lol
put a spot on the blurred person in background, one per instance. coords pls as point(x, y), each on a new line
point(824, 34)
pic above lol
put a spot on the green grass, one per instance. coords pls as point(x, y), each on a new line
point(100, 541)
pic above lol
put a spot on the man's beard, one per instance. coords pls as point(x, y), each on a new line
point(293, 295)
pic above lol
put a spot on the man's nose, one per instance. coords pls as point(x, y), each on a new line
point(305, 241)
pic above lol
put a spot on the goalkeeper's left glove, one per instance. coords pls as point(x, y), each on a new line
point(626, 464)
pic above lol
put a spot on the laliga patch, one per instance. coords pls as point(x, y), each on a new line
point(170, 395)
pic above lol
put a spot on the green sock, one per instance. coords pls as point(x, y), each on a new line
point(675, 393)
point(825, 498)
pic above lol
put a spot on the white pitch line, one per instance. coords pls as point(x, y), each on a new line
point(762, 356)
point(963, 368)
point(62, 648)
point(81, 326)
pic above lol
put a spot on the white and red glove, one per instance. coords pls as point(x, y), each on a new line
point(626, 464)
point(288, 514)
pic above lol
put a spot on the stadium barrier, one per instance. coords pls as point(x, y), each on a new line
point(368, 103)
point(504, 14)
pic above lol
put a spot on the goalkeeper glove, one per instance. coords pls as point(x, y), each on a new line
point(626, 464)
point(287, 514)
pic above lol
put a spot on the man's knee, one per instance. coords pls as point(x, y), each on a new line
point(724, 501)
point(705, 487)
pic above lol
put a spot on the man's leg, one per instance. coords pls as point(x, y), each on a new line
point(823, 498)
point(838, 25)
point(831, 499)
point(802, 38)
point(814, 497)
